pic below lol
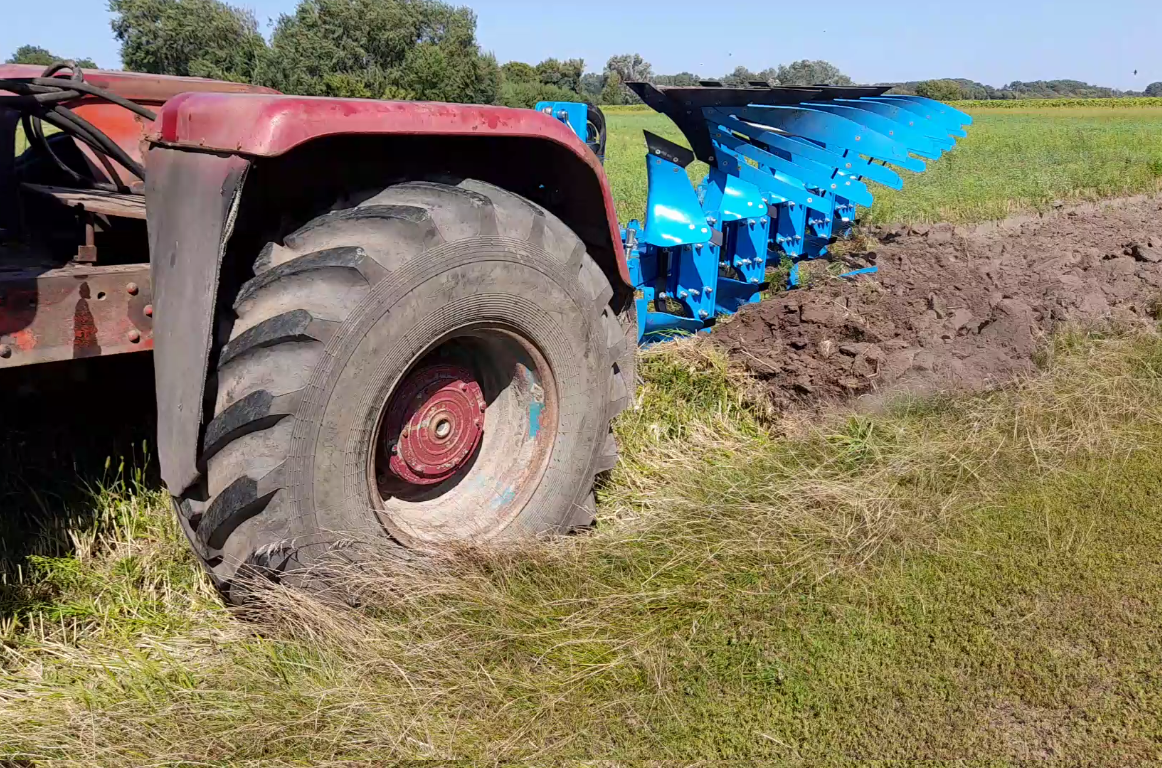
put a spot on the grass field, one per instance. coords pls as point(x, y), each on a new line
point(1013, 159)
point(970, 578)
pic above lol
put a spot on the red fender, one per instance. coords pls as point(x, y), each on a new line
point(267, 125)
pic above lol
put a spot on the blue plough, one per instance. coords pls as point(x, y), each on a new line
point(788, 167)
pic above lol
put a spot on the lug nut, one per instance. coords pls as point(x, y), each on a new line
point(149, 310)
point(131, 289)
point(702, 313)
point(683, 294)
point(134, 336)
point(5, 351)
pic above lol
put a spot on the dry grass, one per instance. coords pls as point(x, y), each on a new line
point(876, 586)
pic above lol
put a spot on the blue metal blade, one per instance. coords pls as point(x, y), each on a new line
point(673, 214)
point(893, 112)
point(778, 187)
point(802, 147)
point(812, 174)
point(731, 198)
point(662, 322)
point(733, 294)
point(836, 131)
point(851, 162)
point(914, 140)
point(847, 162)
point(826, 176)
point(936, 118)
point(953, 114)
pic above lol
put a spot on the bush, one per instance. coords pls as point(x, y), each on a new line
point(940, 90)
point(526, 95)
point(519, 72)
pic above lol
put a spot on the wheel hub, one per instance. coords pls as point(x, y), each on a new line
point(434, 424)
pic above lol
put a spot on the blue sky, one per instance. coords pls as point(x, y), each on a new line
point(992, 41)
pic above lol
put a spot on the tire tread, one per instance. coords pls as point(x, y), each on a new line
point(422, 211)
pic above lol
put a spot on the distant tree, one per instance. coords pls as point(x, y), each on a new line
point(1053, 89)
point(681, 79)
point(805, 72)
point(519, 72)
point(629, 68)
point(741, 76)
point(1154, 89)
point(394, 49)
point(34, 54)
point(969, 89)
point(563, 74)
point(592, 84)
point(613, 92)
point(770, 75)
point(940, 90)
point(901, 89)
point(203, 38)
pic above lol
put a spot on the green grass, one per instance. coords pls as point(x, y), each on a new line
point(1023, 158)
point(960, 578)
point(956, 578)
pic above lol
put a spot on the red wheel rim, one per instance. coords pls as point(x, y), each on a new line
point(434, 424)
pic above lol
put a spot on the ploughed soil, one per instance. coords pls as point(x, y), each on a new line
point(953, 307)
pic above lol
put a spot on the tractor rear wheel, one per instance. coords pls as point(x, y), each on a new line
point(440, 363)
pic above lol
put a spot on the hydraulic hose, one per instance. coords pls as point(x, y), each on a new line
point(42, 99)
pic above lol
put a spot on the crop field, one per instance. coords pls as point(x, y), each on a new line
point(1013, 159)
point(947, 577)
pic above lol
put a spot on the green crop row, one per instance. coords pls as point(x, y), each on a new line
point(1123, 103)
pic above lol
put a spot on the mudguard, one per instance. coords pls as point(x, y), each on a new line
point(201, 147)
point(193, 199)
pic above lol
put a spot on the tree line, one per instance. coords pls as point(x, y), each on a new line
point(382, 49)
point(427, 50)
point(953, 89)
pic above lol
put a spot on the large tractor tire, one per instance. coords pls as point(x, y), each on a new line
point(440, 363)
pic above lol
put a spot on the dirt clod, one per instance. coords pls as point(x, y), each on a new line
point(954, 309)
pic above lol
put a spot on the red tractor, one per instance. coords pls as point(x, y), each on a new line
point(372, 323)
